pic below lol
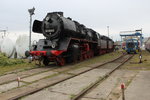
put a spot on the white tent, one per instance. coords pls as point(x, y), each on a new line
point(8, 47)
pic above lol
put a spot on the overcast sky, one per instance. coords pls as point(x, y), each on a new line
point(119, 15)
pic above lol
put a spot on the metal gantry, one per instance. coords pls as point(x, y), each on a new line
point(136, 33)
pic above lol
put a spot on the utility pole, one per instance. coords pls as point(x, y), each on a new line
point(31, 12)
point(108, 30)
point(141, 38)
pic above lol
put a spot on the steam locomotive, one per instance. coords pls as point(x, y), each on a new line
point(66, 41)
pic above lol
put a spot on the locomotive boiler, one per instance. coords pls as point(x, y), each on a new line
point(66, 41)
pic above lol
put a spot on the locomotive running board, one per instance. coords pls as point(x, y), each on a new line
point(64, 43)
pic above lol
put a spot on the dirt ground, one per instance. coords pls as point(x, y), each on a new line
point(134, 64)
point(137, 87)
point(133, 74)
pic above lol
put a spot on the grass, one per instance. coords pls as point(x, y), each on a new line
point(72, 96)
point(5, 61)
point(21, 67)
point(8, 64)
point(134, 64)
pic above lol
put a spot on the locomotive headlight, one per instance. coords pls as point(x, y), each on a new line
point(47, 18)
point(53, 45)
point(30, 59)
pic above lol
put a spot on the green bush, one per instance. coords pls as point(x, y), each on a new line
point(5, 61)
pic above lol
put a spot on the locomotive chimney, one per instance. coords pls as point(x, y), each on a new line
point(60, 13)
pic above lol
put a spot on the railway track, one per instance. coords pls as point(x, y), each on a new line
point(12, 76)
point(6, 78)
point(96, 83)
point(61, 77)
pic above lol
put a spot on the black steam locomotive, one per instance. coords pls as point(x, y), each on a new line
point(67, 41)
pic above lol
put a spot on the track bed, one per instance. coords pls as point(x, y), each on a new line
point(70, 83)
